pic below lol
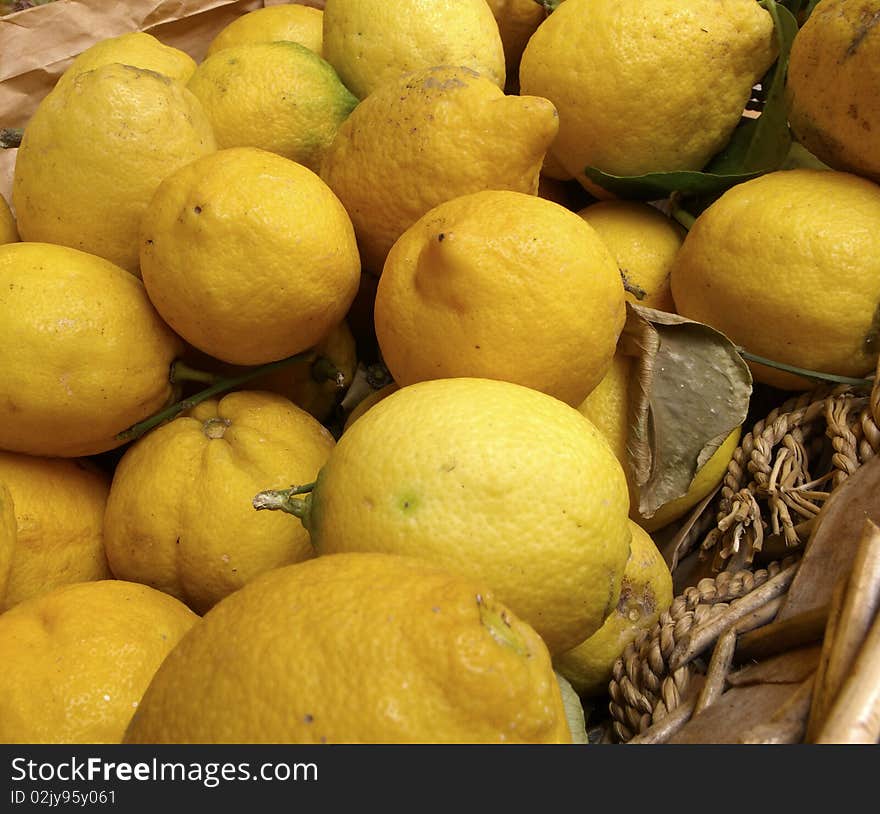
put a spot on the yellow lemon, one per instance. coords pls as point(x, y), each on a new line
point(833, 86)
point(83, 656)
point(59, 521)
point(787, 266)
point(135, 48)
point(8, 230)
point(293, 22)
point(93, 154)
point(517, 21)
point(8, 539)
point(492, 480)
point(83, 353)
point(179, 517)
point(644, 243)
point(501, 285)
point(608, 407)
point(601, 62)
point(249, 256)
point(371, 43)
point(279, 96)
point(356, 648)
point(646, 592)
point(425, 139)
point(368, 401)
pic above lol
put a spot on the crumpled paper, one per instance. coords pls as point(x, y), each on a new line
point(38, 44)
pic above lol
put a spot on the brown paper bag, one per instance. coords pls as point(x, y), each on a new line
point(38, 44)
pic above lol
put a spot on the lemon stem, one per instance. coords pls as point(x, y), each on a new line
point(800, 371)
point(679, 214)
point(181, 372)
point(10, 137)
point(219, 386)
point(323, 370)
point(286, 500)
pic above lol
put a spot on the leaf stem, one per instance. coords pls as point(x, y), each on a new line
point(219, 386)
point(285, 500)
point(680, 214)
point(800, 371)
point(181, 372)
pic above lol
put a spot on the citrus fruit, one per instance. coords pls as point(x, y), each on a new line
point(517, 21)
point(371, 43)
point(135, 48)
point(279, 96)
point(645, 593)
point(501, 285)
point(368, 401)
point(156, 528)
point(8, 230)
point(356, 648)
point(83, 656)
point(599, 61)
point(59, 519)
point(492, 480)
point(8, 539)
point(249, 256)
point(786, 265)
point(292, 22)
point(83, 353)
point(426, 138)
point(94, 152)
point(833, 85)
point(644, 243)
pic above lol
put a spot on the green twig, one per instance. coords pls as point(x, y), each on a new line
point(181, 372)
point(220, 386)
point(800, 371)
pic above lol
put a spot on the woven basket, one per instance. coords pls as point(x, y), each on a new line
point(753, 532)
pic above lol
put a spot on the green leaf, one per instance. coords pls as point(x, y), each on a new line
point(656, 185)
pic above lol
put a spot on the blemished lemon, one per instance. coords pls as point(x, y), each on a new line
point(492, 480)
point(292, 22)
point(8, 230)
point(646, 592)
point(608, 407)
point(135, 48)
point(371, 43)
point(158, 528)
point(58, 540)
point(787, 266)
point(8, 538)
point(94, 152)
point(429, 137)
point(249, 256)
point(83, 656)
point(279, 96)
point(356, 648)
point(644, 243)
point(833, 86)
point(83, 353)
point(598, 62)
point(501, 285)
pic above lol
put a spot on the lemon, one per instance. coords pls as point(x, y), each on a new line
point(93, 154)
point(645, 593)
point(501, 285)
point(371, 43)
point(608, 407)
point(492, 480)
point(135, 48)
point(833, 86)
point(427, 138)
point(369, 401)
point(249, 256)
point(279, 96)
point(599, 61)
point(83, 656)
point(517, 21)
point(83, 353)
point(58, 540)
point(356, 648)
point(644, 243)
point(8, 539)
point(156, 528)
point(8, 230)
point(292, 22)
point(787, 266)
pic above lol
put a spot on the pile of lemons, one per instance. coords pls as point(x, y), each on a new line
point(331, 189)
